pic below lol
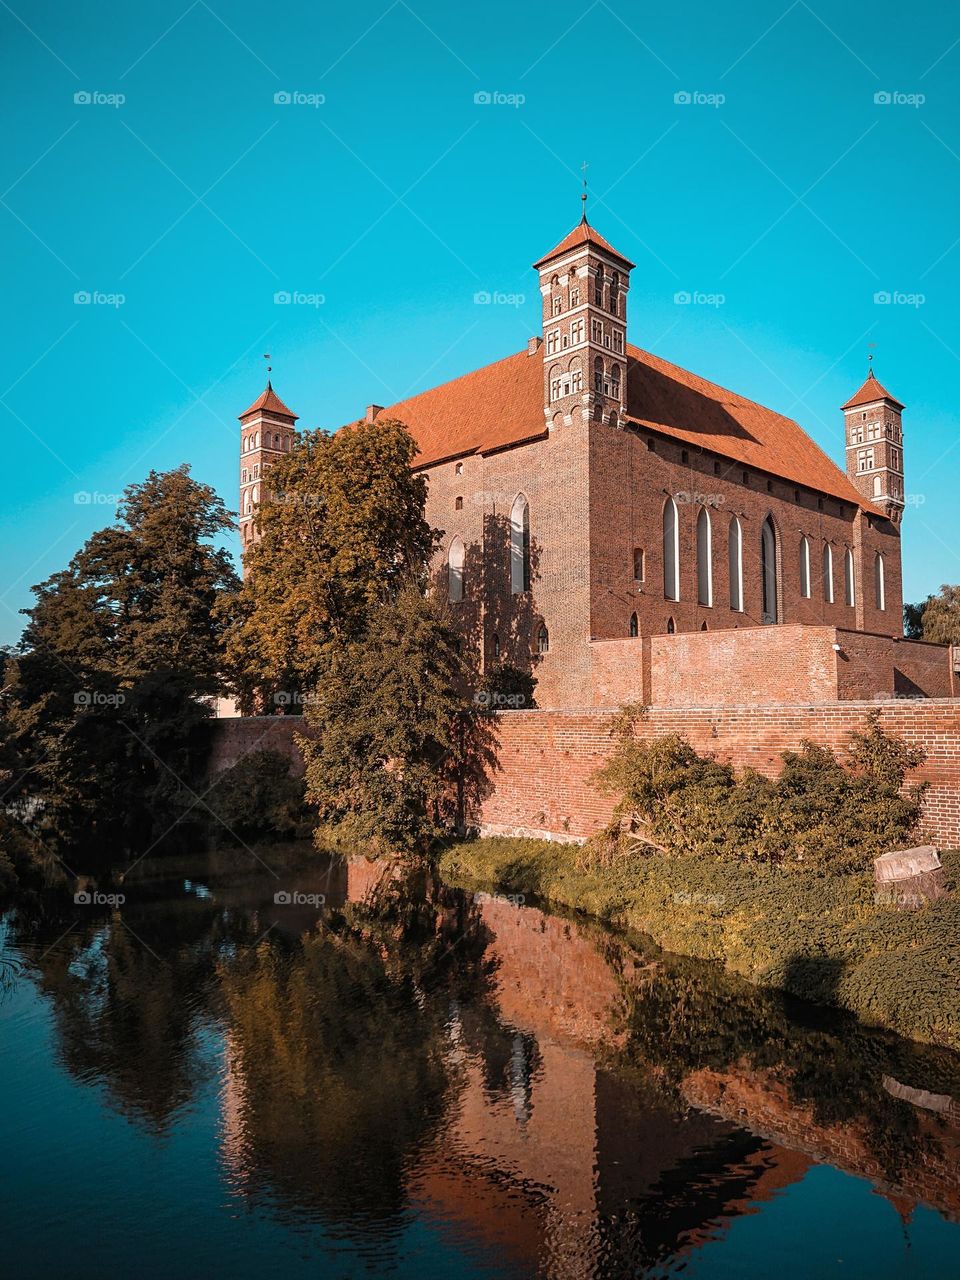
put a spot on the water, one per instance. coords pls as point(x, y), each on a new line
point(409, 1081)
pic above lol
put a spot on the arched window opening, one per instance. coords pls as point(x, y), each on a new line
point(703, 626)
point(849, 580)
point(880, 580)
point(768, 571)
point(735, 564)
point(878, 486)
point(805, 568)
point(455, 570)
point(634, 625)
point(496, 646)
point(671, 627)
point(520, 546)
point(704, 558)
point(671, 551)
point(543, 639)
point(639, 565)
point(828, 573)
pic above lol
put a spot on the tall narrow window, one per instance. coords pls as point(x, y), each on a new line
point(880, 580)
point(639, 567)
point(735, 564)
point(634, 625)
point(520, 546)
point(543, 639)
point(671, 551)
point(828, 573)
point(805, 568)
point(455, 570)
point(704, 558)
point(768, 571)
point(849, 581)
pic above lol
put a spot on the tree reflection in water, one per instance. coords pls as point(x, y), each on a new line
point(575, 1101)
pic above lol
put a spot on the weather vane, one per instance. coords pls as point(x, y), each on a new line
point(584, 167)
point(268, 356)
point(870, 346)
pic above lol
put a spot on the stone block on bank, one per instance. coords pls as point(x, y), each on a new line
point(907, 878)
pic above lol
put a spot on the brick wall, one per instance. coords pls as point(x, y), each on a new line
point(546, 759)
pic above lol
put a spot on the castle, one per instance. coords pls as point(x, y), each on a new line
point(631, 531)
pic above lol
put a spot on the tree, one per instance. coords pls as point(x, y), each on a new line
point(105, 693)
point(385, 728)
point(936, 619)
point(341, 528)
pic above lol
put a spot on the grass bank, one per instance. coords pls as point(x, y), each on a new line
point(820, 937)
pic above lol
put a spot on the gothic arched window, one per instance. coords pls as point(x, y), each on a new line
point(735, 564)
point(543, 639)
point(634, 625)
point(520, 546)
point(455, 570)
point(671, 551)
point(768, 571)
point(880, 581)
point(827, 573)
point(849, 580)
point(704, 558)
point(805, 568)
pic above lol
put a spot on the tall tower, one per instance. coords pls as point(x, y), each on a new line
point(267, 432)
point(584, 283)
point(875, 446)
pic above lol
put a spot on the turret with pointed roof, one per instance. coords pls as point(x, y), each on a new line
point(584, 282)
point(267, 431)
point(874, 430)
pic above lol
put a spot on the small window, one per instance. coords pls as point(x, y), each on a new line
point(684, 457)
point(805, 568)
point(574, 295)
point(671, 627)
point(458, 504)
point(716, 468)
point(459, 469)
point(652, 446)
point(746, 477)
point(634, 625)
point(543, 639)
point(496, 646)
point(769, 486)
point(639, 565)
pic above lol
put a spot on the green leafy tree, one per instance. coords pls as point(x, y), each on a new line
point(341, 528)
point(936, 619)
point(104, 697)
point(385, 736)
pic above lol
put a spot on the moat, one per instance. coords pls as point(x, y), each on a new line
point(217, 1066)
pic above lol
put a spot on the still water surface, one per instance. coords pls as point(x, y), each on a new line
point(413, 1081)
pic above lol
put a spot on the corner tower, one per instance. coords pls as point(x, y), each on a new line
point(584, 283)
point(875, 447)
point(267, 431)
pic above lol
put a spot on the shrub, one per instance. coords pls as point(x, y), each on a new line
point(822, 811)
point(256, 800)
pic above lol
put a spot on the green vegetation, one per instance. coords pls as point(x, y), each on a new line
point(821, 937)
point(105, 694)
point(821, 812)
point(936, 619)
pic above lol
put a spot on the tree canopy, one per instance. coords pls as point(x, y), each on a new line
point(936, 619)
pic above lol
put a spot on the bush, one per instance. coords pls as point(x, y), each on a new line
point(257, 799)
point(821, 812)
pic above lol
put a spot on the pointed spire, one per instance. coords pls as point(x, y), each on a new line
point(269, 402)
point(870, 392)
point(583, 233)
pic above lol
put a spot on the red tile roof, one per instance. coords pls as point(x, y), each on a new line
point(582, 233)
point(869, 393)
point(502, 404)
point(269, 401)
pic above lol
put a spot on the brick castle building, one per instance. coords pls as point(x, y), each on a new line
point(632, 531)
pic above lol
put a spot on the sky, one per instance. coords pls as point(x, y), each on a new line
point(189, 185)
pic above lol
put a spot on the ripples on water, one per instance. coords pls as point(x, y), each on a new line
point(410, 1082)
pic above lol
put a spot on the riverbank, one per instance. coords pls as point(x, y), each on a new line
point(823, 938)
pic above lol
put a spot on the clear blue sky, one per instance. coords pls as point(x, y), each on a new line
point(798, 198)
